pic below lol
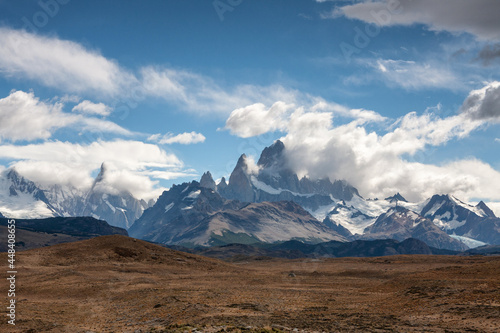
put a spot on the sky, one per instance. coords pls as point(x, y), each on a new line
point(392, 96)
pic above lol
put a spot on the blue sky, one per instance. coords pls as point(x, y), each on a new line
point(400, 96)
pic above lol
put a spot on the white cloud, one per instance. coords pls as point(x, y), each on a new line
point(87, 107)
point(117, 180)
point(495, 207)
point(362, 116)
point(412, 75)
point(484, 103)
point(24, 117)
point(497, 139)
point(70, 163)
point(479, 17)
point(183, 138)
point(60, 64)
point(409, 75)
point(257, 119)
point(198, 93)
point(75, 69)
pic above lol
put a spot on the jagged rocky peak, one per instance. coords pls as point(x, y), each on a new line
point(487, 211)
point(13, 175)
point(102, 172)
point(240, 186)
point(207, 181)
point(398, 211)
point(272, 156)
point(447, 208)
point(222, 183)
point(21, 184)
point(396, 197)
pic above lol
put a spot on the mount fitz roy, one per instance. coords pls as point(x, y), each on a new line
point(22, 198)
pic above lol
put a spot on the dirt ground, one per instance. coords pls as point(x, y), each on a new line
point(117, 284)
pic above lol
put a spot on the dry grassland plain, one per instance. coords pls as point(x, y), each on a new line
point(118, 284)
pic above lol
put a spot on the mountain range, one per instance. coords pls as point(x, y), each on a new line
point(262, 203)
point(249, 208)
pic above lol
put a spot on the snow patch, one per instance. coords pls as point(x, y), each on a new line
point(263, 186)
point(356, 225)
point(271, 190)
point(445, 216)
point(434, 209)
point(448, 225)
point(169, 207)
point(193, 195)
point(113, 209)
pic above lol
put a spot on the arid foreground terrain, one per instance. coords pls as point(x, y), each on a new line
point(117, 284)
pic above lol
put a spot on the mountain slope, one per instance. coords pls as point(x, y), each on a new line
point(271, 222)
point(178, 211)
point(190, 214)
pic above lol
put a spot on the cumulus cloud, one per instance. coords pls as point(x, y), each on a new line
point(60, 64)
point(478, 17)
point(183, 138)
point(484, 103)
point(257, 119)
point(24, 117)
point(67, 163)
point(90, 108)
